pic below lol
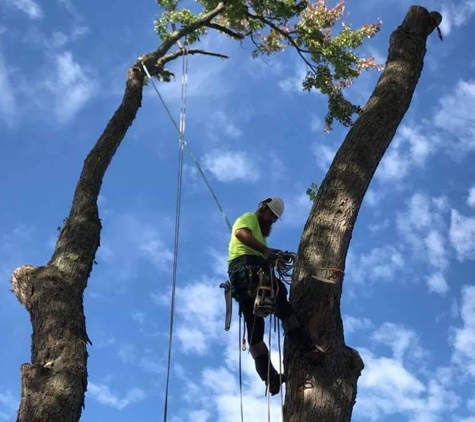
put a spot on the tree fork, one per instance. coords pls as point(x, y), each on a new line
point(54, 384)
point(327, 393)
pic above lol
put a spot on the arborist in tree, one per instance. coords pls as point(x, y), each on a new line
point(249, 260)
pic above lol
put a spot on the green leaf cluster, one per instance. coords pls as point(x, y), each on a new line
point(316, 31)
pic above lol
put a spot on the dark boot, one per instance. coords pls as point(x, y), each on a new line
point(260, 353)
point(313, 353)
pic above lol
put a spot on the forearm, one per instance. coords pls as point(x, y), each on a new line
point(246, 237)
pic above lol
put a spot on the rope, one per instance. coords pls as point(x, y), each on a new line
point(177, 220)
point(285, 265)
point(268, 372)
point(240, 366)
point(280, 372)
point(193, 157)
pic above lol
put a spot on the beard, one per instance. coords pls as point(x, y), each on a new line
point(266, 229)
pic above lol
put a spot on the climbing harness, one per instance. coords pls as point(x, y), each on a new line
point(264, 303)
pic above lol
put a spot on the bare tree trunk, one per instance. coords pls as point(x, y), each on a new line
point(327, 393)
point(55, 382)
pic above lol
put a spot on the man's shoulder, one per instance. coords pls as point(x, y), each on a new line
point(248, 217)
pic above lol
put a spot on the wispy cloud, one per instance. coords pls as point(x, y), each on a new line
point(462, 235)
point(12, 248)
point(222, 128)
point(103, 394)
point(380, 263)
point(9, 401)
point(8, 104)
point(231, 166)
point(410, 149)
point(457, 123)
point(139, 317)
point(297, 210)
point(388, 386)
point(71, 86)
point(293, 83)
point(198, 324)
point(132, 239)
point(324, 155)
point(463, 339)
point(29, 7)
point(456, 14)
point(471, 197)
point(437, 283)
point(423, 228)
point(352, 324)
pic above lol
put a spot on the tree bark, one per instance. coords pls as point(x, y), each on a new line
point(53, 385)
point(327, 393)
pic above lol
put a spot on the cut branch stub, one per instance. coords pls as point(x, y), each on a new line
point(21, 286)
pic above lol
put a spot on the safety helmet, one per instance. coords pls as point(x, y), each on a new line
point(275, 204)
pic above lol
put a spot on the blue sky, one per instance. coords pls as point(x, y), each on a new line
point(409, 296)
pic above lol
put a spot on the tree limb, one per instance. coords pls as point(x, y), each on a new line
point(150, 60)
point(287, 36)
point(227, 31)
point(178, 53)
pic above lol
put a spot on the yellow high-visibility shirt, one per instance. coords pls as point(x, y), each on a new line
point(236, 247)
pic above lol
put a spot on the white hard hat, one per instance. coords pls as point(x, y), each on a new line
point(275, 204)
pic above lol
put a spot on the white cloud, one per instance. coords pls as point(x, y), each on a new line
point(400, 339)
point(353, 324)
point(456, 14)
point(378, 264)
point(221, 127)
point(462, 235)
point(30, 7)
point(128, 240)
point(324, 155)
point(377, 227)
point(373, 197)
point(293, 84)
point(13, 247)
point(200, 315)
point(230, 166)
point(200, 416)
point(297, 210)
point(471, 197)
point(388, 387)
point(410, 149)
point(463, 339)
point(9, 401)
point(457, 123)
point(139, 317)
point(71, 87)
point(437, 283)
point(422, 226)
point(102, 394)
point(57, 39)
point(8, 104)
point(276, 168)
point(435, 245)
point(317, 125)
point(219, 262)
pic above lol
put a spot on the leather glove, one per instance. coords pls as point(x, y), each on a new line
point(270, 255)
